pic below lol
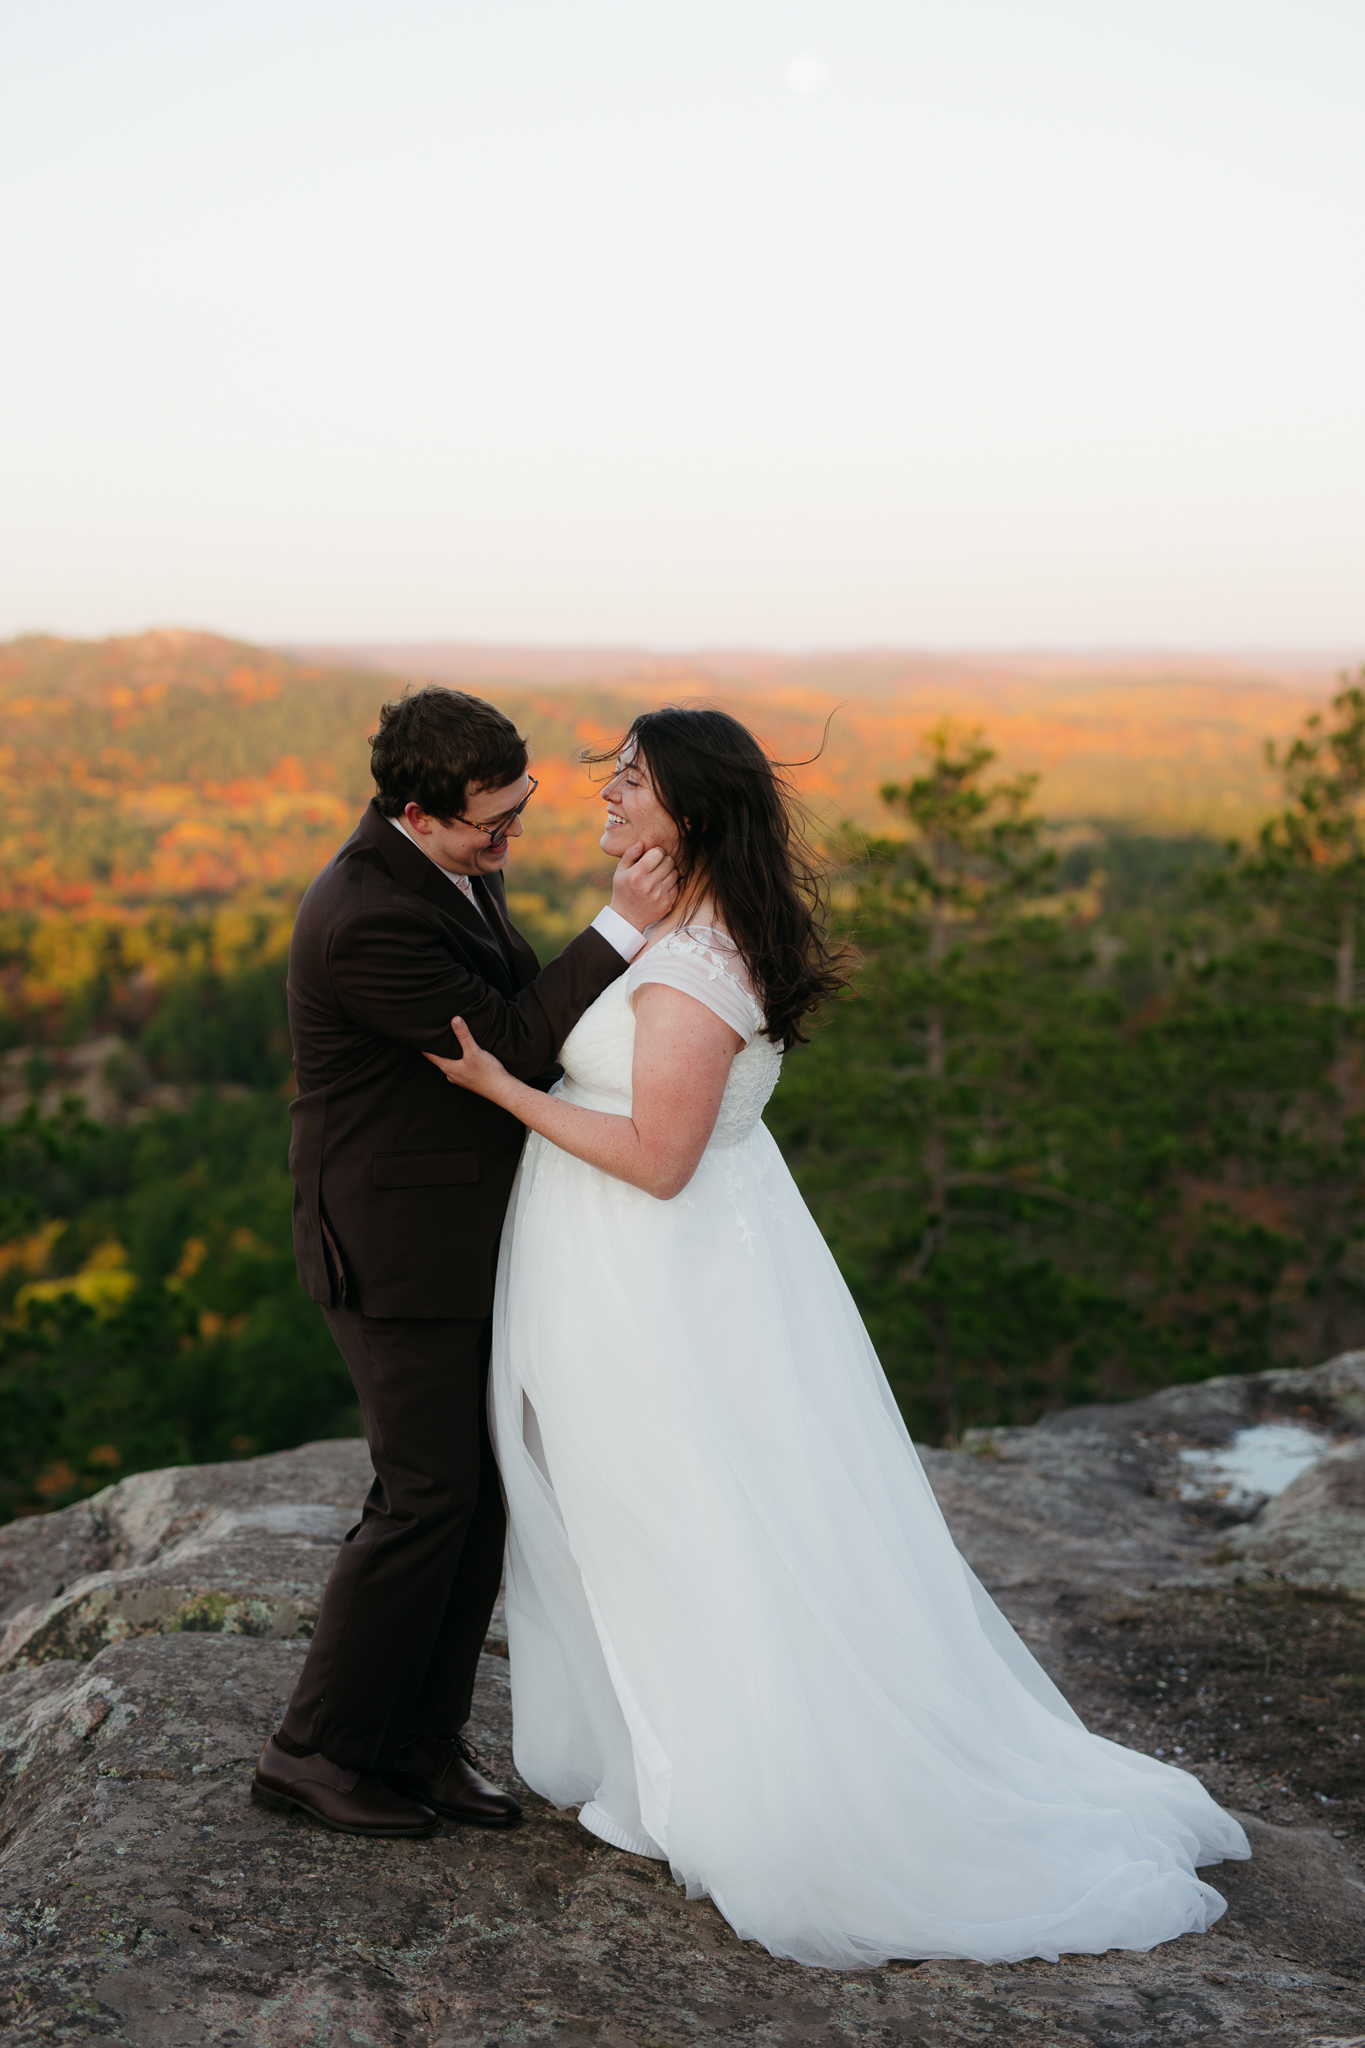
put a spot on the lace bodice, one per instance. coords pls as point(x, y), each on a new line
point(598, 1053)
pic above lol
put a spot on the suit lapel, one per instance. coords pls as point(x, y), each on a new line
point(410, 866)
point(524, 964)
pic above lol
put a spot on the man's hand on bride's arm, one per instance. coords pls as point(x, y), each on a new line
point(683, 1056)
point(645, 887)
point(478, 1071)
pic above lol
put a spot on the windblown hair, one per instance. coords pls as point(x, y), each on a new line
point(740, 843)
point(434, 745)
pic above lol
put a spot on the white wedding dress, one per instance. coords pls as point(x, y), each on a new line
point(741, 1637)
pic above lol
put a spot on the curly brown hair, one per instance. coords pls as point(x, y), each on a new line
point(433, 745)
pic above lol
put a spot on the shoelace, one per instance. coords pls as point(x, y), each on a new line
point(464, 1750)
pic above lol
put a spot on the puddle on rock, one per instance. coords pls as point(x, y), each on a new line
point(1257, 1465)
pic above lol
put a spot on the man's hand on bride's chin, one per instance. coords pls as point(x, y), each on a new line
point(645, 887)
point(476, 1070)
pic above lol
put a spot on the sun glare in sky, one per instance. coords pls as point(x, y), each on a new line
point(1006, 322)
point(805, 74)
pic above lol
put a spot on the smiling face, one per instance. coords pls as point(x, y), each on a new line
point(459, 848)
point(634, 813)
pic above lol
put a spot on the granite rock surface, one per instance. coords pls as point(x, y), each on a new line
point(152, 1636)
point(1314, 1533)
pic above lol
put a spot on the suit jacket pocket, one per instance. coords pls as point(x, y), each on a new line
point(424, 1169)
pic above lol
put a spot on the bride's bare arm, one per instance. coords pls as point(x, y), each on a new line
point(682, 1061)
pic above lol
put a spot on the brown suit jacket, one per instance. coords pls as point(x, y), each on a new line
point(401, 1180)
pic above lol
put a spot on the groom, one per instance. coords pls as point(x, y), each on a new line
point(401, 1183)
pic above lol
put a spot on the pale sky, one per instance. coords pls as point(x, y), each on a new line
point(685, 322)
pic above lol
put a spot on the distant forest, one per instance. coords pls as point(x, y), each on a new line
point(1091, 1123)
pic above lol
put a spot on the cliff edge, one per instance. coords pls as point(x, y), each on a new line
point(1190, 1568)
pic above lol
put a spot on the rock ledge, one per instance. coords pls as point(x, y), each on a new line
point(153, 1633)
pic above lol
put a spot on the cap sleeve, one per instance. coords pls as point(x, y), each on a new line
point(705, 965)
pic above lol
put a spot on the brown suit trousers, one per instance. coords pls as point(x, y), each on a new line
point(406, 1607)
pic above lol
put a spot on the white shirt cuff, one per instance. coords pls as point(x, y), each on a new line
point(618, 933)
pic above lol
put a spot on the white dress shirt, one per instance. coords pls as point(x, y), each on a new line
point(618, 932)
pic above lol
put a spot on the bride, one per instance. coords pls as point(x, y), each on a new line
point(741, 1638)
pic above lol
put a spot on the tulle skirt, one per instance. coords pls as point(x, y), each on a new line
point(741, 1637)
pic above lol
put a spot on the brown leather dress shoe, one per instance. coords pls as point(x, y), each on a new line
point(349, 1802)
point(442, 1771)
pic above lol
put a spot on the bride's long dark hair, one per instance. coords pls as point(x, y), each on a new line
point(740, 843)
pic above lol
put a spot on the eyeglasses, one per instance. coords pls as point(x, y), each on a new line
point(498, 828)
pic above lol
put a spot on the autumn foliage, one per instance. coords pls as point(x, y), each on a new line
point(166, 798)
point(1095, 1121)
